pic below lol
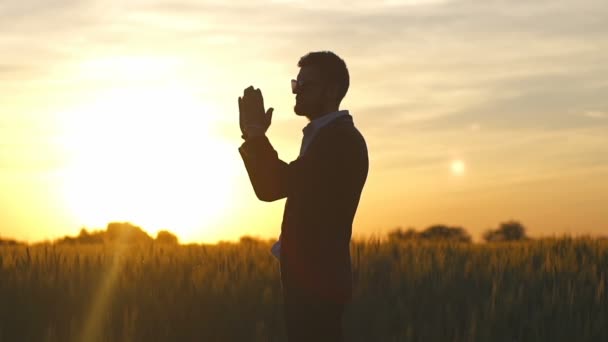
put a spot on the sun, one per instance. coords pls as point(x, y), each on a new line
point(457, 167)
point(149, 156)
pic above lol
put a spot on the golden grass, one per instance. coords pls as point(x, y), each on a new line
point(543, 290)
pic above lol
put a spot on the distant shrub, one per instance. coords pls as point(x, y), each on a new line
point(445, 233)
point(9, 242)
point(246, 239)
point(436, 232)
point(508, 231)
point(86, 237)
point(126, 232)
point(398, 234)
point(166, 237)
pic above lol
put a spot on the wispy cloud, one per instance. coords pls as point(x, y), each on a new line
point(418, 64)
point(430, 80)
point(596, 114)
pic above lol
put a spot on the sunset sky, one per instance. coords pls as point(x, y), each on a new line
point(475, 112)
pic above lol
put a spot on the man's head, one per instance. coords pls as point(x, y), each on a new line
point(321, 85)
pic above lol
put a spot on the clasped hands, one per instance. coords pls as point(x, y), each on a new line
point(253, 119)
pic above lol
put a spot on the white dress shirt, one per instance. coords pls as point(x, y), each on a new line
point(310, 131)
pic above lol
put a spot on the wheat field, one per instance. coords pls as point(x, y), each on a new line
point(540, 290)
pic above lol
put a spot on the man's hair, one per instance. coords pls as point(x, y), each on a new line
point(333, 69)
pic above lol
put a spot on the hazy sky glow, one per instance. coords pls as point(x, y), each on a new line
point(475, 112)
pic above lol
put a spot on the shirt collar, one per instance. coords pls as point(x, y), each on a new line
point(323, 121)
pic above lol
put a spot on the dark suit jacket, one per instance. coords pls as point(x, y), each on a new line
point(323, 187)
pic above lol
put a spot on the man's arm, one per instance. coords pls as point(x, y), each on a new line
point(265, 169)
point(323, 173)
point(273, 179)
point(267, 173)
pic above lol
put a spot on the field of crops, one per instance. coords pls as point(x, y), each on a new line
point(544, 290)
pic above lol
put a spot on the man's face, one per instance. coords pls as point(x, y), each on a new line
point(310, 97)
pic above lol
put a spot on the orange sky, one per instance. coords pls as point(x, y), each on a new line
point(474, 113)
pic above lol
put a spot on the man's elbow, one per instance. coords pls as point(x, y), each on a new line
point(268, 196)
point(267, 199)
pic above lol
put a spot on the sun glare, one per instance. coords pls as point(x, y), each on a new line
point(457, 167)
point(149, 156)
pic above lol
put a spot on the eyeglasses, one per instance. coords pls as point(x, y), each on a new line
point(298, 86)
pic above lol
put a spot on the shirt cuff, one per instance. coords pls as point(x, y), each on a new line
point(254, 131)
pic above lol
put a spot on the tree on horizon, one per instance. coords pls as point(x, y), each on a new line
point(437, 232)
point(511, 230)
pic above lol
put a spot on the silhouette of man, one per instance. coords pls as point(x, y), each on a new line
point(322, 186)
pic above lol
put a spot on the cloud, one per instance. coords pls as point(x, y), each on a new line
point(13, 68)
point(417, 66)
point(596, 114)
point(474, 127)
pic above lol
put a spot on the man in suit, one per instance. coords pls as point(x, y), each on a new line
point(322, 186)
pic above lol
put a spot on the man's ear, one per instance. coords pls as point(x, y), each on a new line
point(331, 93)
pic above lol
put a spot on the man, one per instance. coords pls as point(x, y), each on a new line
point(322, 186)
